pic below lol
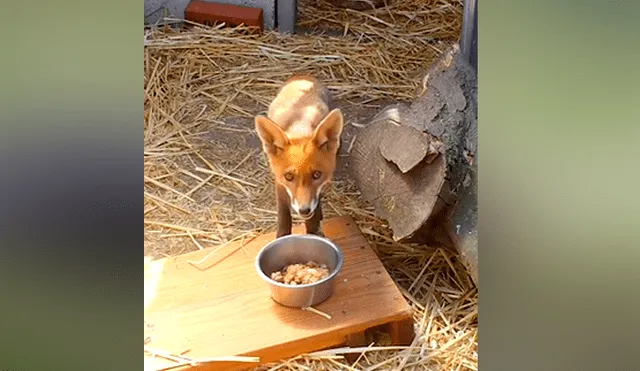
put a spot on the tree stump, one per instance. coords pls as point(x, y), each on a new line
point(413, 160)
point(463, 227)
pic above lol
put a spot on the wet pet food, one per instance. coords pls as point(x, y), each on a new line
point(301, 274)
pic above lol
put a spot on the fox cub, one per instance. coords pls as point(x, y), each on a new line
point(300, 136)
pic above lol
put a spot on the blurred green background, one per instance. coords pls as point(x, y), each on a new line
point(559, 114)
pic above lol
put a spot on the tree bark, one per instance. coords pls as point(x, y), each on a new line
point(413, 161)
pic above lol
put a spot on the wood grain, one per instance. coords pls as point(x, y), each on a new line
point(226, 310)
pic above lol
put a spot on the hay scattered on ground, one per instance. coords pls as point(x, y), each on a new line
point(207, 183)
point(203, 81)
point(407, 22)
point(224, 65)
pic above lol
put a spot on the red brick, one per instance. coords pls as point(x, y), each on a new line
point(232, 15)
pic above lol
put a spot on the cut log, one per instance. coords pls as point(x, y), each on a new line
point(463, 228)
point(404, 199)
point(412, 159)
point(465, 217)
point(398, 137)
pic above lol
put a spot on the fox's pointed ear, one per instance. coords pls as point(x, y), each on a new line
point(272, 136)
point(327, 134)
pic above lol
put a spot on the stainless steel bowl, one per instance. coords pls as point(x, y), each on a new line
point(293, 249)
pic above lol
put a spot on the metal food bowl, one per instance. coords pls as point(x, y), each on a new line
point(297, 249)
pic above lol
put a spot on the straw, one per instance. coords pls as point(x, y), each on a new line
point(399, 21)
point(207, 182)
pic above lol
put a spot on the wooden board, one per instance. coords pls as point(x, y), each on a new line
point(226, 310)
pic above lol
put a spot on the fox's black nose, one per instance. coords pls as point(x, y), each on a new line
point(304, 211)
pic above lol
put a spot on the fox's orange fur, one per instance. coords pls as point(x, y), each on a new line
point(301, 137)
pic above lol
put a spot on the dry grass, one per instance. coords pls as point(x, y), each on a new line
point(408, 22)
point(223, 65)
point(207, 183)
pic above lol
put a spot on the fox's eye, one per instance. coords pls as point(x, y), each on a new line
point(316, 175)
point(288, 177)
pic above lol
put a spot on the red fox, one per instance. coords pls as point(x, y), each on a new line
point(300, 136)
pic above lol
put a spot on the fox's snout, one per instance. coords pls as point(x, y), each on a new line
point(306, 208)
point(304, 197)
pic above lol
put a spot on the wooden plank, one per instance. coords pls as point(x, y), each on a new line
point(226, 310)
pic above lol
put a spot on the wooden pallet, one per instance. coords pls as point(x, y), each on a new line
point(224, 308)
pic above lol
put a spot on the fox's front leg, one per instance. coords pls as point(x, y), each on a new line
point(313, 224)
point(284, 212)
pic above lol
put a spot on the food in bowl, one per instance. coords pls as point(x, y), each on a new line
point(301, 274)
